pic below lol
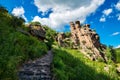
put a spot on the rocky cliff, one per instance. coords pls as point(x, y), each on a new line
point(86, 40)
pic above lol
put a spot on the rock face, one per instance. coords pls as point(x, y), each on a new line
point(63, 40)
point(38, 69)
point(38, 31)
point(60, 38)
point(87, 40)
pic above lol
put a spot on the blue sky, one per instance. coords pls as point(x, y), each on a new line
point(102, 15)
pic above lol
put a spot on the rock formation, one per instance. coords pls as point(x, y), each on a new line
point(38, 31)
point(87, 40)
point(60, 38)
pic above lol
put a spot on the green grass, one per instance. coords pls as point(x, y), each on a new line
point(118, 55)
point(73, 65)
point(16, 48)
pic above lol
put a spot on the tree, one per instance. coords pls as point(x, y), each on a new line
point(17, 21)
point(50, 36)
point(3, 9)
point(35, 23)
point(67, 34)
point(113, 53)
point(3, 12)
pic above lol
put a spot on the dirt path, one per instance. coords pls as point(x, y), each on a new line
point(38, 69)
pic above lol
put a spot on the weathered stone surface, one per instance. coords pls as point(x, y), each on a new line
point(60, 38)
point(38, 69)
point(87, 39)
point(63, 40)
point(37, 30)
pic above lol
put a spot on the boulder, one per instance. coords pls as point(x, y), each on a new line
point(38, 31)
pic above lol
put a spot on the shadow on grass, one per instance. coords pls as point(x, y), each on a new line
point(67, 67)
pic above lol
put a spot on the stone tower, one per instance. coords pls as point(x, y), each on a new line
point(87, 40)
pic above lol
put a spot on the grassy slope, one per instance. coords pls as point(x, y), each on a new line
point(118, 54)
point(72, 65)
point(16, 48)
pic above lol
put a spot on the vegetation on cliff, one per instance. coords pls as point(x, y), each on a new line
point(15, 47)
point(71, 64)
point(50, 36)
point(117, 55)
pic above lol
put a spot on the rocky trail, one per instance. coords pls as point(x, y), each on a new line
point(38, 69)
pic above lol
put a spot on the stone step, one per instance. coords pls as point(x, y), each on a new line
point(38, 69)
point(42, 64)
point(29, 64)
point(45, 77)
point(26, 73)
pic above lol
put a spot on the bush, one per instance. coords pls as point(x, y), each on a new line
point(117, 55)
point(50, 36)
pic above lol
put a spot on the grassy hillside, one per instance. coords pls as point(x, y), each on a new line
point(118, 55)
point(15, 47)
point(68, 64)
point(73, 65)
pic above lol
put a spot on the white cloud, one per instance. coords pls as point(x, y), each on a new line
point(19, 11)
point(117, 6)
point(107, 11)
point(65, 11)
point(118, 15)
point(117, 46)
point(106, 14)
point(42, 20)
point(102, 19)
point(116, 33)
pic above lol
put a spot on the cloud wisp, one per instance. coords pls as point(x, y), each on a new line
point(102, 19)
point(115, 33)
point(117, 6)
point(117, 47)
point(106, 13)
